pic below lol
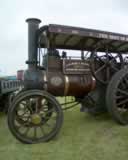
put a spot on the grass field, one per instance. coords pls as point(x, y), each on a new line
point(82, 137)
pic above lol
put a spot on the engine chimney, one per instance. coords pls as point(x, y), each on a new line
point(33, 25)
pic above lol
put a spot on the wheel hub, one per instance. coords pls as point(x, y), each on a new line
point(36, 119)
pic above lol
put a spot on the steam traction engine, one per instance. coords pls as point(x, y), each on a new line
point(35, 115)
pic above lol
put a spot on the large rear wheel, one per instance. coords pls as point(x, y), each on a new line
point(117, 97)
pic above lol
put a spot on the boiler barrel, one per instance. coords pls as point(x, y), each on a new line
point(59, 84)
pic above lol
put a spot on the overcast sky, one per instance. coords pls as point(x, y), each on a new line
point(110, 15)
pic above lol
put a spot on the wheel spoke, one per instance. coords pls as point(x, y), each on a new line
point(21, 125)
point(47, 124)
point(53, 117)
point(111, 54)
point(23, 116)
point(27, 130)
point(123, 85)
point(113, 67)
point(114, 58)
point(122, 102)
point(49, 111)
point(29, 106)
point(107, 55)
point(42, 130)
point(122, 91)
point(43, 109)
point(23, 113)
point(36, 105)
point(18, 127)
point(125, 114)
point(107, 73)
point(126, 81)
point(120, 96)
point(98, 57)
point(100, 69)
point(23, 103)
point(35, 131)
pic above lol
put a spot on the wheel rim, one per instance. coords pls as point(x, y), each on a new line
point(121, 99)
point(104, 65)
point(34, 118)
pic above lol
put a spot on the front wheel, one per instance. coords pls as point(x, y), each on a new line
point(35, 116)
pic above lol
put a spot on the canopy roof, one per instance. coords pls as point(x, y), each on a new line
point(74, 38)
